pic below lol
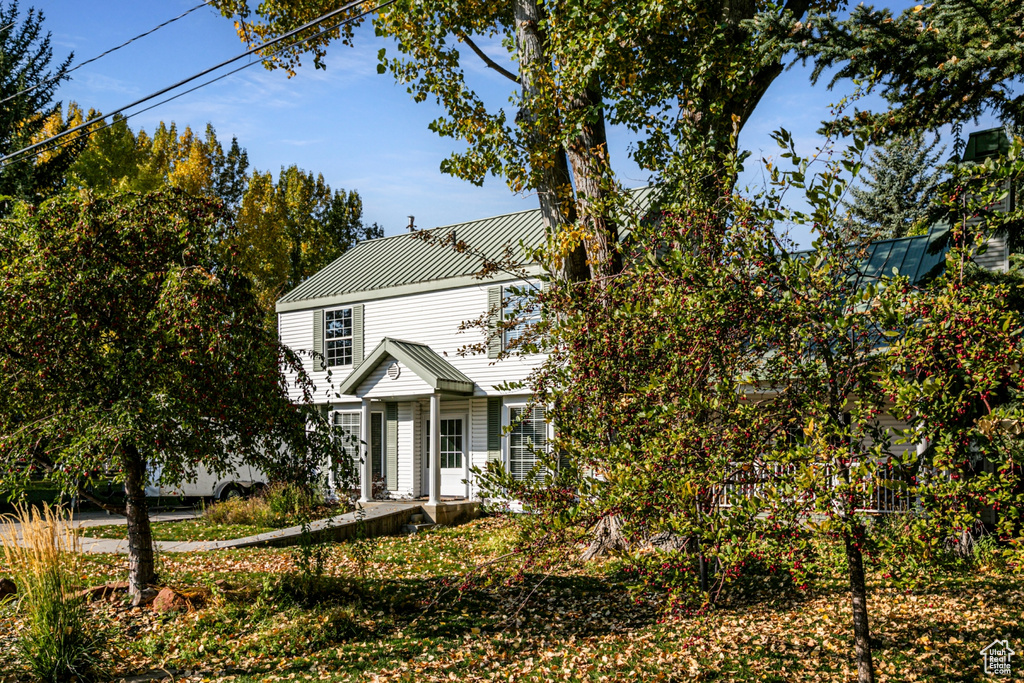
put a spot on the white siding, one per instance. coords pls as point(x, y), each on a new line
point(379, 385)
point(406, 446)
point(431, 318)
point(295, 330)
point(996, 256)
point(477, 438)
point(420, 412)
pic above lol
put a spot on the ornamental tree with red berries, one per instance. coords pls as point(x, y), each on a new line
point(130, 343)
point(734, 404)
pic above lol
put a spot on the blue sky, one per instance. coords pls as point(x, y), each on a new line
point(358, 128)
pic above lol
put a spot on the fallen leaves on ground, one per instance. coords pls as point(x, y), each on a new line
point(385, 610)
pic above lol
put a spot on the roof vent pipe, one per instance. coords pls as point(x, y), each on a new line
point(412, 225)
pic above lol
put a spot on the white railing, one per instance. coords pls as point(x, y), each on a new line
point(749, 479)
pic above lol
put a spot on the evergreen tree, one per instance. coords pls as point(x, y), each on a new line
point(966, 64)
point(900, 183)
point(230, 177)
point(27, 109)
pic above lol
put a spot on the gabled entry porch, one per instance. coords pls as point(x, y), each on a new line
point(420, 438)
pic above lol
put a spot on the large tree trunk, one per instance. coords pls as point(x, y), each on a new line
point(608, 537)
point(588, 155)
point(859, 602)
point(547, 158)
point(141, 567)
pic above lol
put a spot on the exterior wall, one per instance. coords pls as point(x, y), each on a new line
point(379, 385)
point(416, 462)
point(477, 438)
point(407, 479)
point(431, 318)
point(296, 332)
point(996, 256)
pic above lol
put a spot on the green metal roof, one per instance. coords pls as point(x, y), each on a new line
point(917, 257)
point(914, 257)
point(420, 358)
point(409, 262)
point(409, 259)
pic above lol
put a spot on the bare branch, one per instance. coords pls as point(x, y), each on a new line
point(487, 60)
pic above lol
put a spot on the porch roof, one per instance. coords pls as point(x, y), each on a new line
point(420, 358)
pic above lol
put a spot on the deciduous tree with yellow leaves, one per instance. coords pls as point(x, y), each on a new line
point(283, 230)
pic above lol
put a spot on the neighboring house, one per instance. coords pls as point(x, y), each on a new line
point(388, 316)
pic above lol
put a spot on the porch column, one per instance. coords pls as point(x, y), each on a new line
point(365, 466)
point(435, 450)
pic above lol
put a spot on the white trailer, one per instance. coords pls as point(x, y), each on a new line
point(241, 481)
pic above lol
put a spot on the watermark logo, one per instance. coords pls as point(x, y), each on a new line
point(997, 658)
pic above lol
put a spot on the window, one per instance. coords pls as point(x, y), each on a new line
point(529, 435)
point(451, 444)
point(338, 337)
point(520, 306)
point(347, 429)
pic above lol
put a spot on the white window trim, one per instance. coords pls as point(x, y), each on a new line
point(506, 422)
point(331, 413)
point(350, 337)
point(348, 411)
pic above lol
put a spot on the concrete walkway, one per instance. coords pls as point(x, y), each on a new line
point(84, 520)
point(378, 519)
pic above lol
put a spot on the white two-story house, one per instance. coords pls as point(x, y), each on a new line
point(388, 317)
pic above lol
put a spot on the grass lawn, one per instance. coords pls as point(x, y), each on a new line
point(389, 610)
point(185, 530)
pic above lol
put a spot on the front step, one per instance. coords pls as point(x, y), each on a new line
point(416, 528)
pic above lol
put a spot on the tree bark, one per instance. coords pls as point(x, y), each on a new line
point(141, 566)
point(859, 603)
point(547, 157)
point(608, 537)
point(588, 156)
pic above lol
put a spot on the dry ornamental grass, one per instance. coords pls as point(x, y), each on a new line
point(41, 551)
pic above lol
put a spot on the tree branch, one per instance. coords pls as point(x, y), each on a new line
point(487, 60)
point(103, 505)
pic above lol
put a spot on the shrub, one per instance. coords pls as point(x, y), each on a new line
point(276, 506)
point(57, 644)
point(291, 500)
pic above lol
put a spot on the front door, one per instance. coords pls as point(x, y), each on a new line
point(453, 456)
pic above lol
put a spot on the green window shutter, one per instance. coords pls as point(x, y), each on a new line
point(357, 335)
point(493, 429)
point(391, 441)
point(494, 311)
point(318, 334)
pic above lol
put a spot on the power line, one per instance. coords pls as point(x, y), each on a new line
point(104, 54)
point(263, 46)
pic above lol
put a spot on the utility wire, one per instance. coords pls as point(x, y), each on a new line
point(106, 124)
point(248, 64)
point(104, 54)
point(263, 46)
